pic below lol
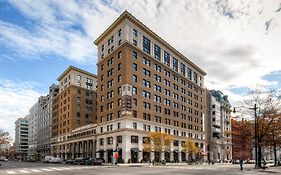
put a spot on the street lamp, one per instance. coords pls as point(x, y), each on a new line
point(255, 134)
point(256, 140)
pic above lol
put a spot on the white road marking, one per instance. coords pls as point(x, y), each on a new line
point(10, 172)
point(44, 169)
point(56, 169)
point(38, 171)
point(23, 171)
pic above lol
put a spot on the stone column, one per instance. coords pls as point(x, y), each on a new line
point(105, 149)
point(94, 148)
point(126, 148)
point(152, 157)
point(180, 160)
point(114, 146)
point(172, 152)
point(98, 148)
point(140, 154)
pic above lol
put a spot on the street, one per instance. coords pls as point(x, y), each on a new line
point(127, 169)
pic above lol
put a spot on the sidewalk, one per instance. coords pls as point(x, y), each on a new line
point(271, 170)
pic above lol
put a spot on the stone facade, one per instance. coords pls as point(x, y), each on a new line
point(218, 127)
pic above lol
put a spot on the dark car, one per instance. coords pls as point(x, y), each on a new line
point(81, 161)
point(94, 161)
point(69, 161)
point(97, 161)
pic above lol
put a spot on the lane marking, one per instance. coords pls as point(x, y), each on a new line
point(23, 171)
point(10, 172)
point(56, 169)
point(38, 171)
point(44, 169)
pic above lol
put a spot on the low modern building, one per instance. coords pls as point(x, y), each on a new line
point(218, 127)
point(21, 138)
point(75, 106)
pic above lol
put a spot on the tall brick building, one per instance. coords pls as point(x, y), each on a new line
point(144, 84)
point(75, 106)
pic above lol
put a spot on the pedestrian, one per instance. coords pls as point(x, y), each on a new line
point(241, 164)
point(264, 164)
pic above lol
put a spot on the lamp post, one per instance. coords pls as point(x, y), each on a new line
point(256, 140)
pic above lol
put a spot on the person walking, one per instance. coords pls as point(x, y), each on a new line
point(241, 164)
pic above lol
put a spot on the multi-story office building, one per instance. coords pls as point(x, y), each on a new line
point(144, 84)
point(218, 127)
point(45, 121)
point(33, 131)
point(74, 107)
point(21, 138)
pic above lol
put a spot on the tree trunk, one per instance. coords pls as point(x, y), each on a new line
point(259, 155)
point(275, 155)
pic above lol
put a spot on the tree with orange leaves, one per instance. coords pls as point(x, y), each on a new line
point(158, 142)
point(242, 136)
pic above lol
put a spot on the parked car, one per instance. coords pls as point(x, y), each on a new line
point(94, 161)
point(48, 159)
point(56, 160)
point(69, 161)
point(81, 161)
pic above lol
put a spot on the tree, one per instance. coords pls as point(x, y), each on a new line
point(5, 140)
point(267, 107)
point(273, 137)
point(242, 136)
point(158, 142)
point(190, 148)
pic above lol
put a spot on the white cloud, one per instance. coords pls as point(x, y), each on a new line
point(236, 42)
point(16, 98)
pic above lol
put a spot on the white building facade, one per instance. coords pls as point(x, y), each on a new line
point(218, 127)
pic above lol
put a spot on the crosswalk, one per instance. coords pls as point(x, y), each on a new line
point(45, 169)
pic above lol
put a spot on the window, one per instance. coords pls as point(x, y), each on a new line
point(157, 67)
point(145, 83)
point(189, 74)
point(119, 32)
point(157, 52)
point(134, 139)
point(135, 125)
point(119, 66)
point(195, 78)
point(182, 69)
point(119, 78)
point(119, 139)
point(135, 67)
point(135, 114)
point(101, 141)
point(146, 72)
point(135, 90)
point(135, 43)
point(175, 64)
point(166, 58)
point(109, 140)
point(135, 32)
point(119, 55)
point(146, 61)
point(135, 55)
point(146, 45)
point(135, 79)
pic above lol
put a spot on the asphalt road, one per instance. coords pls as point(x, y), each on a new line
point(62, 169)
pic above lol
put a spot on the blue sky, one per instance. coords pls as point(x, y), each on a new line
point(236, 42)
